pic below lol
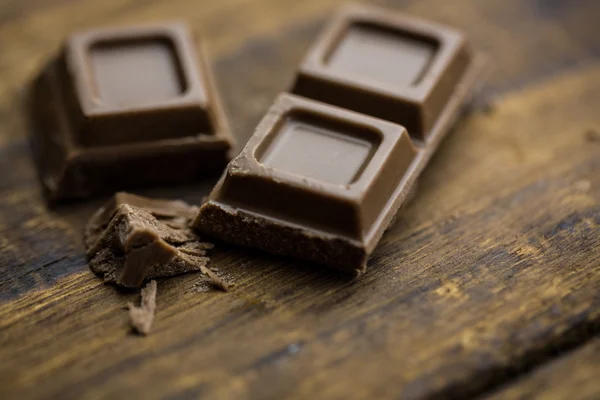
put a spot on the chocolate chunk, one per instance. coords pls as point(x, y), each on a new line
point(174, 213)
point(147, 239)
point(592, 136)
point(128, 107)
point(322, 182)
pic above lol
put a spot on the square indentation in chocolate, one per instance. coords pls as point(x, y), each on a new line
point(137, 84)
point(385, 65)
point(319, 149)
point(140, 72)
point(384, 55)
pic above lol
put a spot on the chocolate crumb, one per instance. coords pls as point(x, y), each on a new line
point(583, 186)
point(203, 286)
point(142, 317)
point(592, 136)
point(488, 106)
point(218, 282)
point(215, 280)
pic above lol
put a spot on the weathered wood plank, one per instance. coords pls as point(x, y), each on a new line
point(574, 376)
point(494, 266)
point(458, 296)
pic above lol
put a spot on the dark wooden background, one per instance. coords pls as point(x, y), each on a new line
point(489, 285)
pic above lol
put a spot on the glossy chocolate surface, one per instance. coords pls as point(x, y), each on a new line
point(127, 107)
point(386, 65)
point(382, 55)
point(134, 73)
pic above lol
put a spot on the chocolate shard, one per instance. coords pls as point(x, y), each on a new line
point(174, 213)
point(142, 317)
point(126, 107)
point(325, 172)
point(128, 244)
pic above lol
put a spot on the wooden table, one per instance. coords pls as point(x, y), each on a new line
point(489, 284)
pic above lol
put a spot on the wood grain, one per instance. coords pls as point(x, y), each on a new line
point(571, 377)
point(491, 272)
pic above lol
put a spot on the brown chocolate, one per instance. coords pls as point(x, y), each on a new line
point(142, 317)
point(322, 183)
point(132, 239)
point(174, 213)
point(128, 107)
point(315, 181)
point(391, 66)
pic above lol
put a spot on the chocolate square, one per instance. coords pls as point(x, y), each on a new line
point(386, 65)
point(313, 174)
point(126, 107)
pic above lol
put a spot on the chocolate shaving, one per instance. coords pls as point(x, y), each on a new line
point(128, 244)
point(142, 317)
point(592, 136)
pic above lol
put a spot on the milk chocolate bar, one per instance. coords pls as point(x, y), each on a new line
point(325, 172)
point(126, 107)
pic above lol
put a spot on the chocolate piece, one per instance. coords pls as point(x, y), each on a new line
point(315, 181)
point(386, 65)
point(322, 183)
point(123, 108)
point(128, 243)
point(142, 317)
point(174, 213)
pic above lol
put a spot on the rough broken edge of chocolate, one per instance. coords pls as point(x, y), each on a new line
point(176, 214)
point(136, 221)
point(108, 260)
point(142, 317)
point(246, 229)
point(130, 231)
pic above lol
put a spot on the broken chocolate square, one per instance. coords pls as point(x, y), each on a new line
point(315, 181)
point(132, 239)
